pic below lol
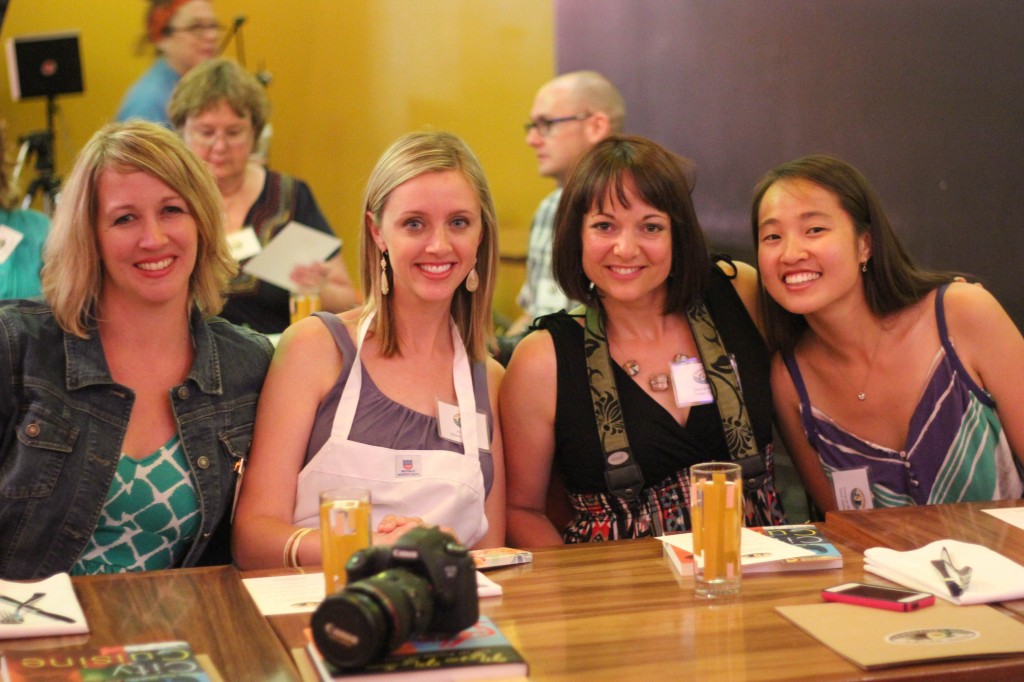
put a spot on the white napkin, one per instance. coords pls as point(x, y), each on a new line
point(485, 587)
point(59, 599)
point(995, 578)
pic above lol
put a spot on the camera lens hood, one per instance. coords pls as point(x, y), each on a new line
point(350, 629)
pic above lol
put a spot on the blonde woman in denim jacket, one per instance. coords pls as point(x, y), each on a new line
point(125, 408)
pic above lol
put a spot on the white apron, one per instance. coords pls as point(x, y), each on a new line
point(442, 487)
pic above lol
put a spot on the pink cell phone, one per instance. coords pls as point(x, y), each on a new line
point(878, 596)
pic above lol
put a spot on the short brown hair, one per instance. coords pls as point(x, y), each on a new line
point(212, 82)
point(72, 275)
point(663, 180)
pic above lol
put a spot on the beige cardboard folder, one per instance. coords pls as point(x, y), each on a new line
point(875, 638)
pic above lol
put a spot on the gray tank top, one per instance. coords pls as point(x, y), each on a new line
point(382, 422)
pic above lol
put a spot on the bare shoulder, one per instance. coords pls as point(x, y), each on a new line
point(534, 356)
point(969, 304)
point(307, 343)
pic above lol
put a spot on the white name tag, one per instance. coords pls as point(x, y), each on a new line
point(449, 425)
point(244, 244)
point(9, 240)
point(690, 383)
point(852, 489)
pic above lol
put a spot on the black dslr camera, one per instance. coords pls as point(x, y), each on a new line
point(423, 584)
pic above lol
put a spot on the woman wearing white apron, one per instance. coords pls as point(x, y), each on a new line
point(377, 397)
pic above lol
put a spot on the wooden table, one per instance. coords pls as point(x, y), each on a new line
point(207, 607)
point(611, 611)
point(905, 528)
point(617, 611)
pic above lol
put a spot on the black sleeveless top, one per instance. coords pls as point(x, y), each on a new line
point(660, 444)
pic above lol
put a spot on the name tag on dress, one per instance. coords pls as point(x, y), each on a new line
point(690, 383)
point(9, 239)
point(449, 425)
point(853, 489)
point(244, 244)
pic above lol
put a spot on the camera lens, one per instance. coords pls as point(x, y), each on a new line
point(371, 617)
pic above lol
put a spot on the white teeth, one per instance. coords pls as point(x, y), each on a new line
point(624, 271)
point(158, 265)
point(438, 268)
point(801, 277)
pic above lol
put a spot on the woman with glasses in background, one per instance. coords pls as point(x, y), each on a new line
point(185, 33)
point(220, 110)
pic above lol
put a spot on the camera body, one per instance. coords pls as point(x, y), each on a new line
point(435, 556)
point(423, 584)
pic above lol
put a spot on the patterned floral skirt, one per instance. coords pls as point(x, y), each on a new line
point(665, 508)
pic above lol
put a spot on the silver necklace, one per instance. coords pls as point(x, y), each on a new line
point(658, 381)
point(862, 395)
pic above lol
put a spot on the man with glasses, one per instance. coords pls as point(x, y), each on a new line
point(570, 114)
point(185, 33)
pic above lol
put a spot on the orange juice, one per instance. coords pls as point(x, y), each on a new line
point(716, 504)
point(344, 530)
point(302, 305)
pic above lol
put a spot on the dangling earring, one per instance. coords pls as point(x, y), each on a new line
point(384, 287)
point(472, 280)
point(864, 266)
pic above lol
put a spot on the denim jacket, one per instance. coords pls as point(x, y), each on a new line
point(63, 420)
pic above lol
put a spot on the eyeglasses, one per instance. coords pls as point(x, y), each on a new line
point(208, 138)
point(196, 30)
point(543, 125)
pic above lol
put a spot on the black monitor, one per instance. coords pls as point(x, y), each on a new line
point(44, 65)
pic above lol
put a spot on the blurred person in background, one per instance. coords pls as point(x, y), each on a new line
point(185, 34)
point(21, 239)
point(220, 110)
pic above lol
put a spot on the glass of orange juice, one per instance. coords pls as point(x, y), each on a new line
point(716, 515)
point(344, 530)
point(302, 304)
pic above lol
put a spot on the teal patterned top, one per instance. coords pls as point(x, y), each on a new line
point(150, 518)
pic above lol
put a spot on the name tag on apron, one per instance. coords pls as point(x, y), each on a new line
point(408, 466)
point(449, 425)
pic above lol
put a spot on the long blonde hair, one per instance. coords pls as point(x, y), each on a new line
point(410, 156)
point(73, 273)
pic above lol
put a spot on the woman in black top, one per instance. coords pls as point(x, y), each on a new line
point(626, 215)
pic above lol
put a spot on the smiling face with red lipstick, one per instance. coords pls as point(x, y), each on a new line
point(809, 251)
point(147, 239)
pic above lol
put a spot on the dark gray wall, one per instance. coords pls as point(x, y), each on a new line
point(926, 97)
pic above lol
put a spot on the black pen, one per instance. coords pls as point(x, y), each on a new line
point(33, 609)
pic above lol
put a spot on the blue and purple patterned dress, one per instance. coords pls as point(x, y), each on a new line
point(955, 451)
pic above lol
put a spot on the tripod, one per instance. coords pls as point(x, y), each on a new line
point(40, 143)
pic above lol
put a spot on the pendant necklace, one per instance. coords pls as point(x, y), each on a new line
point(871, 365)
point(659, 381)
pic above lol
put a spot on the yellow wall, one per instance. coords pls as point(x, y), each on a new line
point(349, 76)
